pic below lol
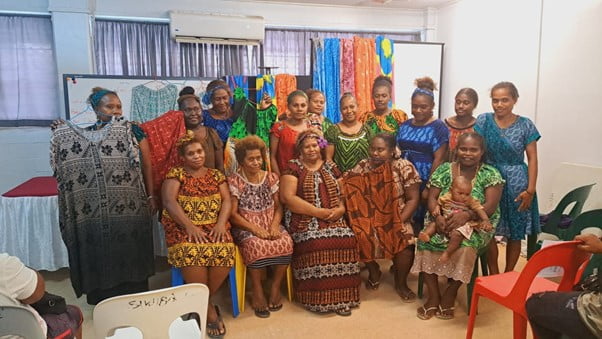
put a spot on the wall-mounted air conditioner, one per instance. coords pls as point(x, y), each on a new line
point(199, 27)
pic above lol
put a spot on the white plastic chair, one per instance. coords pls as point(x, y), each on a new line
point(152, 312)
point(20, 321)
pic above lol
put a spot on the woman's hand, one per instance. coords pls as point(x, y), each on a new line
point(153, 205)
point(591, 243)
point(266, 101)
point(525, 199)
point(337, 213)
point(219, 233)
point(456, 220)
point(275, 232)
point(486, 226)
point(56, 123)
point(196, 235)
point(324, 213)
point(261, 232)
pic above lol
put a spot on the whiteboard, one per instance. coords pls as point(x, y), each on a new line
point(412, 61)
point(77, 88)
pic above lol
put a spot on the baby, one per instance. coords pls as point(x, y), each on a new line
point(458, 199)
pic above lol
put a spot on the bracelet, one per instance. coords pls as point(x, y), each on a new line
point(150, 197)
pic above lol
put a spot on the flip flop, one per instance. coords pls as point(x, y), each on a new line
point(373, 284)
point(214, 326)
point(343, 312)
point(445, 313)
point(274, 308)
point(425, 313)
point(407, 297)
point(262, 313)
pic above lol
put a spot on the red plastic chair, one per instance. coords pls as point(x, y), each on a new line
point(512, 289)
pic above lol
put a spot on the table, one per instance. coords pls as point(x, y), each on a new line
point(29, 226)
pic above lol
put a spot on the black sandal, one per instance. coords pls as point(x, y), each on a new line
point(274, 308)
point(214, 325)
point(262, 313)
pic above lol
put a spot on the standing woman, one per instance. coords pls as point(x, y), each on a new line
point(316, 106)
point(348, 139)
point(463, 122)
point(509, 136)
point(423, 139)
point(257, 217)
point(105, 201)
point(220, 116)
point(383, 118)
point(325, 259)
point(381, 194)
point(284, 133)
point(197, 207)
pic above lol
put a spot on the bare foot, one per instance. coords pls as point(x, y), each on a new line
point(424, 237)
point(275, 299)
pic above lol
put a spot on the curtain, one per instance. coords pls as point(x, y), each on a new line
point(290, 50)
point(146, 49)
point(29, 92)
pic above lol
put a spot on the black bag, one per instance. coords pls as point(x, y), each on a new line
point(50, 304)
point(590, 284)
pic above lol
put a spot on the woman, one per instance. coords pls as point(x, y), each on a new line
point(316, 110)
point(423, 139)
point(256, 217)
point(347, 140)
point(105, 193)
point(383, 118)
point(487, 185)
point(509, 136)
point(463, 122)
point(325, 259)
point(220, 116)
point(197, 207)
point(381, 194)
point(284, 133)
point(165, 131)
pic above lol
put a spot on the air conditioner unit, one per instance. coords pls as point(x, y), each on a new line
point(228, 29)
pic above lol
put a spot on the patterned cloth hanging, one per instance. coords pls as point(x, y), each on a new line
point(238, 81)
point(385, 53)
point(347, 66)
point(285, 84)
point(265, 84)
point(366, 69)
point(148, 103)
point(327, 75)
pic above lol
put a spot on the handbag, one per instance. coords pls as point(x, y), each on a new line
point(590, 284)
point(50, 304)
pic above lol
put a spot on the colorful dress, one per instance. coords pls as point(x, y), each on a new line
point(222, 126)
point(147, 103)
point(201, 200)
point(349, 149)
point(454, 133)
point(325, 259)
point(375, 199)
point(506, 151)
point(385, 123)
point(460, 266)
point(256, 204)
point(103, 211)
point(286, 143)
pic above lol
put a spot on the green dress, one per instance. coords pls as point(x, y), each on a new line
point(462, 261)
point(349, 149)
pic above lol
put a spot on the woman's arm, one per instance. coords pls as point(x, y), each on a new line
point(433, 207)
point(278, 213)
point(288, 196)
point(330, 152)
point(273, 151)
point(526, 197)
point(412, 198)
point(237, 220)
point(169, 198)
point(219, 232)
point(147, 174)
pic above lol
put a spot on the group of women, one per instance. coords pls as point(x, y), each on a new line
point(324, 197)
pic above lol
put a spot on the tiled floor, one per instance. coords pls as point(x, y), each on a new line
point(380, 315)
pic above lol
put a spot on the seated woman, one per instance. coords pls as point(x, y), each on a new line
point(381, 194)
point(197, 207)
point(325, 258)
point(487, 189)
point(256, 217)
point(348, 139)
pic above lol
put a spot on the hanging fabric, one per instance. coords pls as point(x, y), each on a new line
point(238, 81)
point(366, 69)
point(148, 103)
point(265, 84)
point(385, 53)
point(327, 75)
point(347, 66)
point(285, 84)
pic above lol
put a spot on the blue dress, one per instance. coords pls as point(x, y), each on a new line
point(418, 145)
point(222, 127)
point(506, 152)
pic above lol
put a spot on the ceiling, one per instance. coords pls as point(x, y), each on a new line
point(399, 4)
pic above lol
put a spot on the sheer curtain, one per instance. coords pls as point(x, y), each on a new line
point(28, 75)
point(290, 50)
point(146, 49)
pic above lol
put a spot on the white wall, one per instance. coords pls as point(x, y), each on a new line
point(488, 41)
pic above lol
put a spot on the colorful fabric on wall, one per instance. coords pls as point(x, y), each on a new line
point(347, 66)
point(148, 103)
point(327, 74)
point(238, 81)
point(366, 69)
point(285, 84)
point(265, 84)
point(384, 51)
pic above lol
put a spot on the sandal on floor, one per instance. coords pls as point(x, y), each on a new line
point(407, 297)
point(262, 313)
point(373, 284)
point(426, 313)
point(274, 308)
point(445, 313)
point(216, 323)
point(343, 312)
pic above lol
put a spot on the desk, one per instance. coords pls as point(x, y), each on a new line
point(29, 227)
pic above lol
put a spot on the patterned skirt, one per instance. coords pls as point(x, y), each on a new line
point(326, 269)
